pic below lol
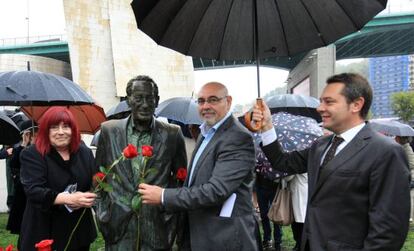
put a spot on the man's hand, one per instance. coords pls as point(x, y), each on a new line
point(264, 116)
point(150, 194)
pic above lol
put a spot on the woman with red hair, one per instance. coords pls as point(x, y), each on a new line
point(56, 174)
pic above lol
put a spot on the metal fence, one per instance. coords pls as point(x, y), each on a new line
point(31, 40)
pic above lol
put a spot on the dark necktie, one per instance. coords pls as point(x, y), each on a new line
point(331, 152)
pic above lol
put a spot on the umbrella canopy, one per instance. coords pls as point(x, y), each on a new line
point(23, 88)
point(88, 117)
point(121, 110)
point(18, 118)
point(295, 104)
point(182, 109)
point(251, 29)
point(392, 127)
point(9, 131)
point(294, 133)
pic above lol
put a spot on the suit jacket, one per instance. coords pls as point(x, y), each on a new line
point(360, 200)
point(168, 155)
point(225, 167)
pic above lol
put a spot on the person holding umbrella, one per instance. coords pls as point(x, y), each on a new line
point(358, 179)
point(28, 132)
point(56, 173)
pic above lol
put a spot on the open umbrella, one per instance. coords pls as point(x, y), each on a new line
point(392, 127)
point(24, 88)
point(182, 109)
point(295, 104)
point(88, 117)
point(251, 29)
point(121, 110)
point(9, 131)
point(294, 133)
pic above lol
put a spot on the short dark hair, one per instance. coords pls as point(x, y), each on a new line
point(143, 78)
point(356, 86)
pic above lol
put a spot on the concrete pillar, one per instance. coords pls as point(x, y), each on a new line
point(309, 76)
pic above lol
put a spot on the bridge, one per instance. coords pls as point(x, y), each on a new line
point(385, 35)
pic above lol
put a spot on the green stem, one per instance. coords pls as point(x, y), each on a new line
point(74, 229)
point(138, 233)
point(97, 189)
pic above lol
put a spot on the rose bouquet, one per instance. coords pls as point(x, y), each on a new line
point(100, 184)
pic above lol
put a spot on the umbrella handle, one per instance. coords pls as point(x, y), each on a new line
point(253, 126)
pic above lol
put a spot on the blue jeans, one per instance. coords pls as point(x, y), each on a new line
point(264, 198)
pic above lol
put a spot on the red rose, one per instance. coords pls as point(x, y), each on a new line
point(181, 174)
point(146, 151)
point(130, 151)
point(99, 176)
point(9, 247)
point(45, 245)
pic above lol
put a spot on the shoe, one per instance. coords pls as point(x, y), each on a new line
point(267, 245)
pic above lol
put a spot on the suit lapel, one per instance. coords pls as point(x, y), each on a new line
point(323, 145)
point(125, 167)
point(158, 139)
point(211, 145)
point(353, 147)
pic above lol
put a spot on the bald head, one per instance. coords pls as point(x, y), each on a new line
point(214, 102)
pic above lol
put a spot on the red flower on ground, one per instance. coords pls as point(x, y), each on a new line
point(181, 174)
point(9, 247)
point(147, 151)
point(45, 245)
point(130, 151)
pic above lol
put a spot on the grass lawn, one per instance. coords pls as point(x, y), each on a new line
point(6, 238)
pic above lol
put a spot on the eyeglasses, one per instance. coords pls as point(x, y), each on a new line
point(211, 100)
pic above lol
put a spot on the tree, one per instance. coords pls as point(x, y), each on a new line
point(360, 67)
point(402, 103)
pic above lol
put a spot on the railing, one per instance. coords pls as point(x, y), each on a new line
point(30, 40)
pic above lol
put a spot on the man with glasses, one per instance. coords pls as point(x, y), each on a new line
point(117, 222)
point(217, 194)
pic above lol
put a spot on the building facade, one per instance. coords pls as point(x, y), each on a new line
point(388, 75)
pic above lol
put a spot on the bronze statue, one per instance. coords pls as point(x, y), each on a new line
point(117, 222)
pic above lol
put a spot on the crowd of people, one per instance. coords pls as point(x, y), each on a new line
point(351, 186)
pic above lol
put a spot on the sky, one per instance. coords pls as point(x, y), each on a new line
point(46, 17)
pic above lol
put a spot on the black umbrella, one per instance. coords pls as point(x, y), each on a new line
point(119, 111)
point(251, 29)
point(9, 131)
point(295, 104)
point(32, 88)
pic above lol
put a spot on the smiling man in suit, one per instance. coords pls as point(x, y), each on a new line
point(358, 179)
point(220, 172)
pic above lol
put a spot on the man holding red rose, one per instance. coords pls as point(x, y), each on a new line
point(165, 143)
point(220, 177)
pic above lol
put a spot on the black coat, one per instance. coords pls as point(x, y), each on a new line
point(360, 200)
point(19, 199)
point(43, 178)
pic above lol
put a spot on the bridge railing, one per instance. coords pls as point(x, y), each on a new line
point(31, 40)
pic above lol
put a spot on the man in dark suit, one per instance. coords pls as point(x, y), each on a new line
point(358, 179)
point(118, 222)
point(220, 177)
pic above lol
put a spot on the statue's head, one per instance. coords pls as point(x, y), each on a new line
point(142, 97)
